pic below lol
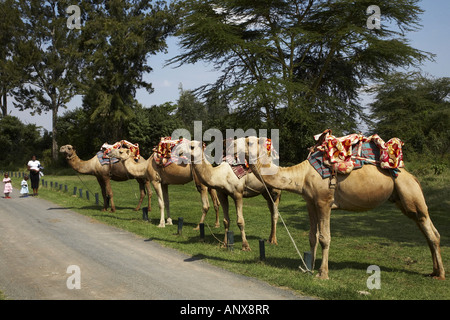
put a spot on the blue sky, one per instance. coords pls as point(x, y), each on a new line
point(433, 37)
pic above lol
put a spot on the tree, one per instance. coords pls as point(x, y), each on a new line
point(117, 40)
point(51, 74)
point(416, 109)
point(151, 124)
point(11, 32)
point(190, 109)
point(19, 142)
point(297, 64)
point(75, 128)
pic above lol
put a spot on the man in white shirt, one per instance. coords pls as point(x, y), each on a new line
point(34, 167)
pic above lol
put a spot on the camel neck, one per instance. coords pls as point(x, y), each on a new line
point(79, 165)
point(206, 172)
point(285, 178)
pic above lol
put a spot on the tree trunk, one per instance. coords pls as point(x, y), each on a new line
point(4, 104)
point(54, 131)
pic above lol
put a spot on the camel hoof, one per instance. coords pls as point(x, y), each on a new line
point(246, 248)
point(161, 225)
point(217, 225)
point(437, 276)
point(169, 221)
point(322, 276)
point(196, 228)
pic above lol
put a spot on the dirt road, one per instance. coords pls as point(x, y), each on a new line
point(40, 242)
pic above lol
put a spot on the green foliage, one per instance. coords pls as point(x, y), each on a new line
point(117, 39)
point(51, 68)
point(76, 129)
point(310, 56)
point(19, 142)
point(151, 124)
point(11, 33)
point(190, 109)
point(415, 109)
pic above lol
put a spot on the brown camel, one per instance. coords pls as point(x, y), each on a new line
point(360, 190)
point(104, 175)
point(224, 180)
point(161, 177)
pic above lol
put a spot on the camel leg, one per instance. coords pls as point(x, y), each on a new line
point(238, 201)
point(216, 204)
point(223, 198)
point(165, 191)
point(205, 203)
point(101, 182)
point(141, 193)
point(323, 219)
point(411, 202)
point(109, 194)
point(273, 207)
point(149, 194)
point(159, 193)
point(313, 233)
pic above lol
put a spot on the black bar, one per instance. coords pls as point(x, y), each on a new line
point(262, 250)
point(230, 240)
point(202, 231)
point(180, 224)
point(144, 212)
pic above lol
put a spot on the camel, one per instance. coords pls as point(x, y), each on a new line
point(161, 177)
point(360, 190)
point(104, 175)
point(223, 179)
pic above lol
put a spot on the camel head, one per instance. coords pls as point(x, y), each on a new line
point(68, 150)
point(253, 149)
point(260, 152)
point(120, 153)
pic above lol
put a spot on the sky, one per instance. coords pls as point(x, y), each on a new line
point(433, 37)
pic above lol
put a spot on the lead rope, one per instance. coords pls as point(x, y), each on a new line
point(78, 175)
point(285, 226)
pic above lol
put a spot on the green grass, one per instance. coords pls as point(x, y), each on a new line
point(382, 237)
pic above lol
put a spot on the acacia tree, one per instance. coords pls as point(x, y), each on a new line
point(297, 64)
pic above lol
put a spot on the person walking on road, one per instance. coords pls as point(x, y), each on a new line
point(34, 166)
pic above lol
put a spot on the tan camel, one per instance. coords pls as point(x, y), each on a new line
point(361, 190)
point(224, 180)
point(104, 175)
point(161, 177)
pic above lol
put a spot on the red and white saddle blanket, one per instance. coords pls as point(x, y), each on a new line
point(106, 148)
point(163, 152)
point(337, 151)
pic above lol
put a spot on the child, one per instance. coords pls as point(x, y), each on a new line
point(24, 184)
point(8, 185)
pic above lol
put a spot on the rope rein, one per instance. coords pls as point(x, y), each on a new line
point(282, 220)
point(78, 175)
